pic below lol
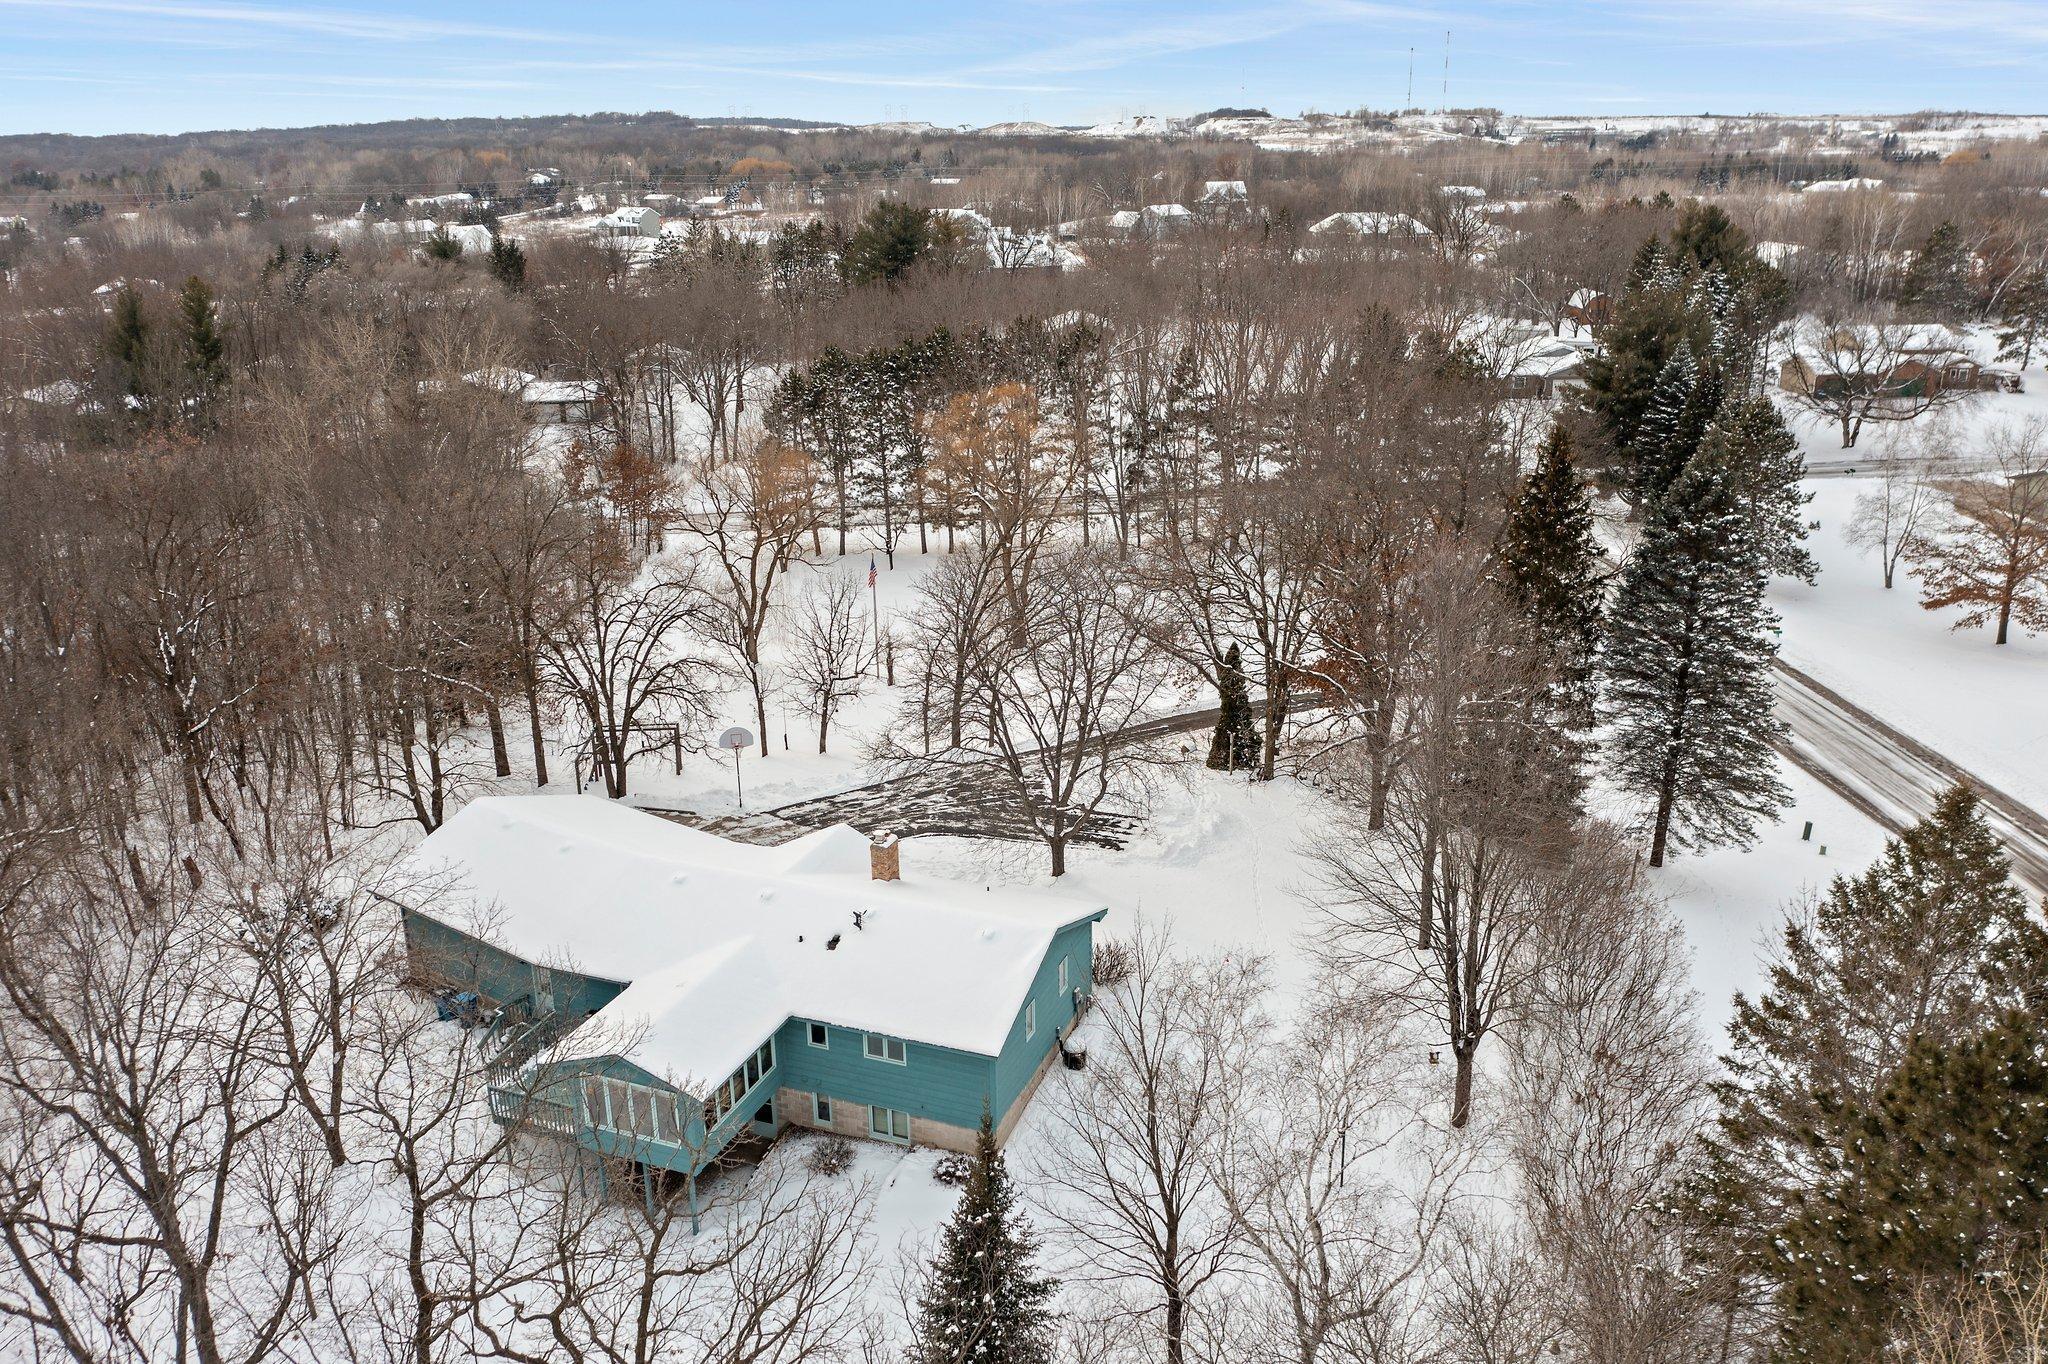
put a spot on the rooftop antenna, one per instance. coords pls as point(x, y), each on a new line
point(1447, 71)
point(1411, 81)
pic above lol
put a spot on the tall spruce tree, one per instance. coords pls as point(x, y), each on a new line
point(508, 262)
point(1235, 745)
point(128, 345)
point(1682, 404)
point(1686, 664)
point(205, 350)
point(1938, 282)
point(985, 1302)
point(1749, 437)
point(1930, 944)
point(1552, 565)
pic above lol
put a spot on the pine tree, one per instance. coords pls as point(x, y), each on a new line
point(1686, 661)
point(1937, 283)
point(1749, 438)
point(985, 1302)
point(205, 351)
point(1681, 406)
point(127, 343)
point(1948, 1167)
point(1931, 943)
point(893, 237)
point(508, 262)
point(1235, 745)
point(1552, 563)
point(2025, 311)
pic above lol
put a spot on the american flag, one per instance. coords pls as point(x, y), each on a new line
point(871, 570)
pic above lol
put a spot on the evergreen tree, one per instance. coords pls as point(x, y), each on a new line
point(1930, 943)
point(508, 262)
point(1947, 1169)
point(985, 1302)
point(1681, 407)
point(439, 246)
point(1686, 661)
point(1552, 563)
point(2025, 312)
point(1235, 745)
point(127, 344)
point(893, 237)
point(205, 351)
point(1937, 283)
point(1749, 438)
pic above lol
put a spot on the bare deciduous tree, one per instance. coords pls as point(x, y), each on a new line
point(1132, 1161)
point(831, 648)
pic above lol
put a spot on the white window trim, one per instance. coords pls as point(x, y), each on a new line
point(821, 1108)
point(1063, 975)
point(867, 1049)
point(890, 1133)
point(811, 1030)
point(1030, 1019)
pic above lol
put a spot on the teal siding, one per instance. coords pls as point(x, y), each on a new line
point(1020, 1059)
point(442, 953)
point(938, 1083)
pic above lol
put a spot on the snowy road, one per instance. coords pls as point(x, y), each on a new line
point(1890, 776)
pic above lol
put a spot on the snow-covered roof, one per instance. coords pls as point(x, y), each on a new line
point(455, 200)
point(474, 238)
point(1462, 191)
point(974, 220)
point(1371, 225)
point(1548, 359)
point(1167, 211)
point(1842, 186)
point(721, 942)
point(1224, 191)
point(560, 391)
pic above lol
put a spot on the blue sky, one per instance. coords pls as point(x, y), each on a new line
point(101, 66)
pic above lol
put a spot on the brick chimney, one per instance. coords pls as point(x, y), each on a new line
point(885, 861)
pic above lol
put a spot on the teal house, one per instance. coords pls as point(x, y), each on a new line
point(692, 989)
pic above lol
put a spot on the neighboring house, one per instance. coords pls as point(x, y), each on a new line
point(1544, 367)
point(1932, 361)
point(1224, 200)
point(631, 221)
point(1857, 185)
point(1159, 219)
point(701, 989)
point(549, 402)
point(1589, 308)
point(1388, 226)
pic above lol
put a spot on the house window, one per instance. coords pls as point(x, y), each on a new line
point(888, 1124)
point(880, 1048)
point(1030, 1020)
point(821, 1110)
point(1063, 975)
point(819, 1038)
